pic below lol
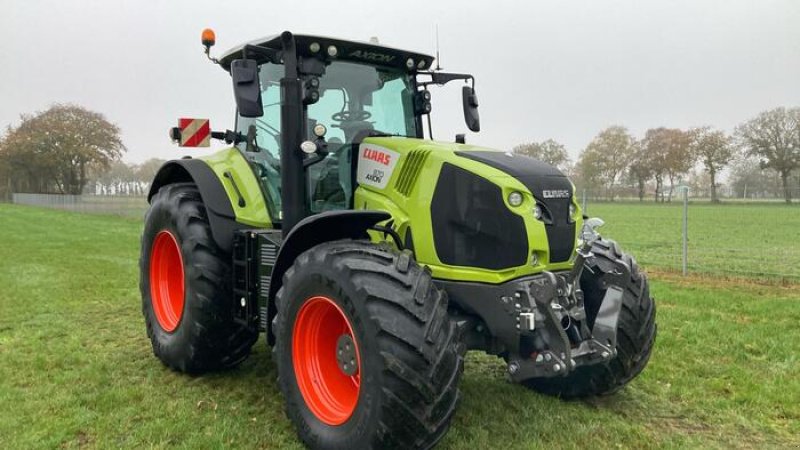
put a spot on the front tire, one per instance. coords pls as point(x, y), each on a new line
point(397, 386)
point(186, 287)
point(636, 329)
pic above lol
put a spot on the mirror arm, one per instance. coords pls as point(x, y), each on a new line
point(442, 78)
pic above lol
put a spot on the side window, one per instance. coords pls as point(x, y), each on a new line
point(385, 112)
point(329, 181)
point(266, 161)
point(267, 126)
point(330, 102)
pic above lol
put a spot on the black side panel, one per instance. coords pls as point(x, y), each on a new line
point(220, 212)
point(545, 183)
point(472, 226)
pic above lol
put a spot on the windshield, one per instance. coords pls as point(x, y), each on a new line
point(355, 99)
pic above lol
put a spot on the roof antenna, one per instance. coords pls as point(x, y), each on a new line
point(438, 67)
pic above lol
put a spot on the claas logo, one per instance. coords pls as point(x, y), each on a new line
point(377, 156)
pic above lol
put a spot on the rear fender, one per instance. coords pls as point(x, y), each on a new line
point(218, 205)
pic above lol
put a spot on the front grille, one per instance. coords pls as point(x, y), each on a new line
point(539, 177)
point(472, 226)
point(561, 232)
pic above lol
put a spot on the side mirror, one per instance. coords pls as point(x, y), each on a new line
point(470, 101)
point(246, 87)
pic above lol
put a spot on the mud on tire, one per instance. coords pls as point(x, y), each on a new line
point(411, 356)
point(206, 337)
point(636, 329)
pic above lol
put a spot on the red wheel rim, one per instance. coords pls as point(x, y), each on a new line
point(328, 391)
point(166, 281)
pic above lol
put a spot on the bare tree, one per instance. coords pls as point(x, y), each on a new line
point(548, 151)
point(670, 156)
point(749, 180)
point(774, 137)
point(146, 171)
point(640, 169)
point(714, 150)
point(610, 153)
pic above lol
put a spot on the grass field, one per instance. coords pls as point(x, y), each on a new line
point(734, 239)
point(76, 369)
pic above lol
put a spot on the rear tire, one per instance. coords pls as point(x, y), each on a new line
point(409, 355)
point(187, 310)
point(636, 329)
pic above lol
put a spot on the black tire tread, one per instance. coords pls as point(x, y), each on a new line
point(216, 342)
point(423, 357)
point(636, 331)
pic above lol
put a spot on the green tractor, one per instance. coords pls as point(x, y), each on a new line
point(373, 258)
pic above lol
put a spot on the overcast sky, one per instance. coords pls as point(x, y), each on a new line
point(556, 69)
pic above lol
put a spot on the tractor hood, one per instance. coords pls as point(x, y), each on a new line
point(543, 180)
point(459, 195)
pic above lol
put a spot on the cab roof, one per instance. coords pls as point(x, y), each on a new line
point(355, 51)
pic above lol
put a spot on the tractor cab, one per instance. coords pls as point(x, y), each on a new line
point(342, 92)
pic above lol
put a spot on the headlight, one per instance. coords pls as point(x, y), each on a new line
point(572, 210)
point(515, 199)
point(537, 212)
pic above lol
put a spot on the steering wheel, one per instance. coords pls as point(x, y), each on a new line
point(351, 116)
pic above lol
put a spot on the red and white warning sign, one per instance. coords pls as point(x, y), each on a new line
point(194, 132)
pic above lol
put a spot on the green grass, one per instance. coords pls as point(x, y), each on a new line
point(76, 369)
point(736, 240)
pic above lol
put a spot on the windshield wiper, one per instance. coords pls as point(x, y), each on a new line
point(377, 133)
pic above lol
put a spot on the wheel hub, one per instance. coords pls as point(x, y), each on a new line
point(346, 355)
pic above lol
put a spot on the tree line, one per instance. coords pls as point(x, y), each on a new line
point(760, 151)
point(68, 149)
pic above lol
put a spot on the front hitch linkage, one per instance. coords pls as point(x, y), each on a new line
point(554, 303)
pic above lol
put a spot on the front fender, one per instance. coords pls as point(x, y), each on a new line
point(312, 231)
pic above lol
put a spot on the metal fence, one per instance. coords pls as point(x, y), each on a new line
point(742, 239)
point(121, 205)
point(690, 235)
point(724, 194)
